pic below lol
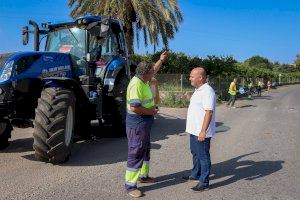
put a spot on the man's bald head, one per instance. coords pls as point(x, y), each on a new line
point(198, 77)
point(199, 71)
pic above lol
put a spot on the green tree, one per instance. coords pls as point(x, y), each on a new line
point(297, 62)
point(219, 65)
point(154, 18)
point(289, 68)
point(259, 62)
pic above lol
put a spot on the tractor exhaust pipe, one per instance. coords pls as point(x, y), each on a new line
point(36, 33)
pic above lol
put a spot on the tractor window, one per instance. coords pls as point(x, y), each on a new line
point(96, 42)
point(24, 63)
point(109, 46)
point(114, 45)
point(67, 40)
point(122, 44)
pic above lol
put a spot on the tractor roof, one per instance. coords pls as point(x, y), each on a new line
point(86, 19)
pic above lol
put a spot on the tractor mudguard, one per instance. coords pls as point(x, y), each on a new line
point(113, 70)
point(67, 83)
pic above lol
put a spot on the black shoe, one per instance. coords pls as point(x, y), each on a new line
point(200, 188)
point(189, 178)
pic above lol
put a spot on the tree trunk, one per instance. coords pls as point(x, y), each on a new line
point(129, 37)
point(129, 18)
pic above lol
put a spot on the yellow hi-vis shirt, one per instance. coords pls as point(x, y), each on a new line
point(232, 88)
point(138, 94)
point(260, 84)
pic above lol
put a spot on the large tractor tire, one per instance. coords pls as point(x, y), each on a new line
point(5, 133)
point(119, 106)
point(54, 125)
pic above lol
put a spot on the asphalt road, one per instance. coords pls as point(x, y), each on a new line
point(255, 155)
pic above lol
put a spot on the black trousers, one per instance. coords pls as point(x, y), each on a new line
point(231, 100)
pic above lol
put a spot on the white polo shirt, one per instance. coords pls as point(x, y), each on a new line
point(204, 98)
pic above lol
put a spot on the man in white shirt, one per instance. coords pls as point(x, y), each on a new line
point(201, 126)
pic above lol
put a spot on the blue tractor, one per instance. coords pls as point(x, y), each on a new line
point(81, 76)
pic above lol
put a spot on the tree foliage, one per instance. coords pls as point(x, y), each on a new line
point(153, 18)
point(259, 62)
point(222, 66)
point(297, 62)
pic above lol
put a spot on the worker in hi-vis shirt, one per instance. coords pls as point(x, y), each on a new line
point(140, 115)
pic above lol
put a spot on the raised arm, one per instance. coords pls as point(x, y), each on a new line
point(162, 59)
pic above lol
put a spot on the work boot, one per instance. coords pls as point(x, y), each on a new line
point(146, 179)
point(135, 193)
point(200, 188)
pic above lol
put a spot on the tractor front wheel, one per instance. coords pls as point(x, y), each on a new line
point(54, 125)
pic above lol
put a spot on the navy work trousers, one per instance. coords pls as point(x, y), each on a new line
point(138, 149)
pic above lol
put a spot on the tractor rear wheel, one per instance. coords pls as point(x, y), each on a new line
point(54, 125)
point(119, 107)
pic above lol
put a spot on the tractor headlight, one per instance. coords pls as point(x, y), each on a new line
point(6, 72)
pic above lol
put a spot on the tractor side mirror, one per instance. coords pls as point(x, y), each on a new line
point(25, 35)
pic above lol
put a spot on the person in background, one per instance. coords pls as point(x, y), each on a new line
point(269, 84)
point(250, 88)
point(259, 87)
point(232, 91)
point(155, 91)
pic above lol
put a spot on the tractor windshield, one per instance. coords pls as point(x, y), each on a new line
point(67, 40)
point(73, 40)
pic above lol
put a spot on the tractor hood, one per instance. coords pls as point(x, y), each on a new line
point(4, 57)
point(34, 65)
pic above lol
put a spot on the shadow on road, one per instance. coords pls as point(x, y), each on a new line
point(221, 128)
point(19, 145)
point(267, 97)
point(235, 169)
point(114, 150)
point(247, 106)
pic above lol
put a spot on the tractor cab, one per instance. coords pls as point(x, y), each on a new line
point(90, 40)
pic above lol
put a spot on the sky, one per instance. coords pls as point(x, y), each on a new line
point(238, 28)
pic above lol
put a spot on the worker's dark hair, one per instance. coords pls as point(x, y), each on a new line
point(143, 68)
